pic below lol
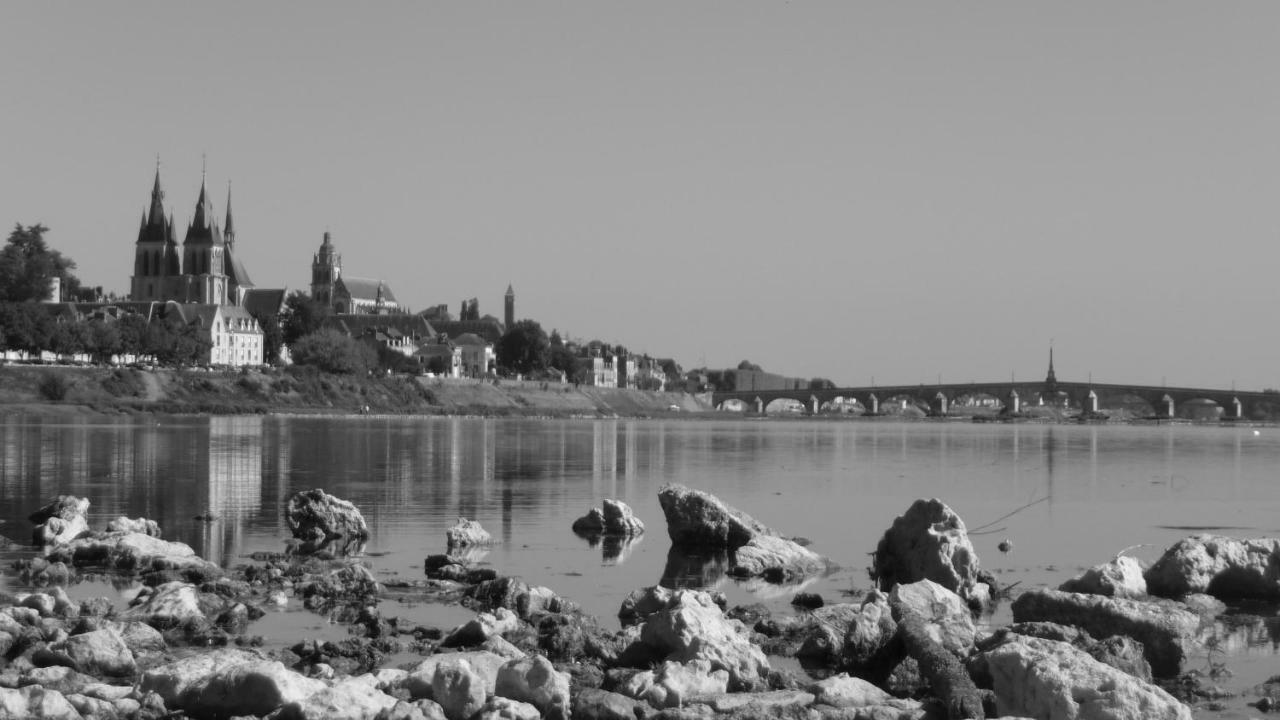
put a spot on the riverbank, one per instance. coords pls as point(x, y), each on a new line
point(57, 391)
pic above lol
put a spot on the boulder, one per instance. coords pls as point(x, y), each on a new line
point(315, 515)
point(1164, 628)
point(482, 628)
point(101, 652)
point(131, 551)
point(352, 698)
point(868, 643)
point(459, 689)
point(596, 704)
point(1122, 577)
point(64, 679)
point(226, 682)
point(620, 520)
point(844, 690)
point(639, 604)
point(674, 684)
point(131, 525)
point(824, 630)
point(763, 704)
point(693, 627)
point(590, 524)
point(420, 678)
point(699, 519)
point(536, 681)
point(1226, 568)
point(946, 617)
point(62, 519)
point(1040, 678)
point(501, 708)
point(34, 702)
point(167, 605)
point(927, 542)
point(465, 533)
point(775, 558)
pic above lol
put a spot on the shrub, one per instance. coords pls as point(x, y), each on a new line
point(334, 352)
point(54, 387)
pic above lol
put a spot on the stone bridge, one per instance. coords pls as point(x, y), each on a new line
point(945, 399)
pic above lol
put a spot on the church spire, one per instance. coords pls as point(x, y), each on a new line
point(1051, 379)
point(204, 210)
point(229, 229)
point(157, 199)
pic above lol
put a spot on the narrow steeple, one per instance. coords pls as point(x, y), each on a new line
point(1051, 379)
point(229, 229)
point(204, 211)
point(157, 199)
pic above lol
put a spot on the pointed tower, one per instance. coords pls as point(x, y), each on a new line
point(155, 265)
point(509, 308)
point(1050, 378)
point(229, 229)
point(203, 255)
point(326, 268)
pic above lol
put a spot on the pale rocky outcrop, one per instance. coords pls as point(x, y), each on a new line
point(460, 689)
point(226, 682)
point(693, 627)
point(101, 652)
point(1122, 577)
point(1223, 567)
point(131, 551)
point(501, 708)
point(1054, 681)
point(1164, 628)
point(131, 525)
point(870, 635)
point(482, 628)
point(845, 691)
point(34, 701)
point(614, 519)
point(420, 678)
point(927, 542)
point(596, 704)
point(674, 684)
point(466, 533)
point(536, 681)
point(781, 559)
point(172, 603)
point(351, 698)
point(946, 617)
point(60, 521)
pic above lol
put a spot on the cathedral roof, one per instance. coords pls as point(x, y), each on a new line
point(366, 289)
point(235, 270)
point(264, 301)
point(203, 228)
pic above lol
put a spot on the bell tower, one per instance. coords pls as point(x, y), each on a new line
point(509, 307)
point(326, 268)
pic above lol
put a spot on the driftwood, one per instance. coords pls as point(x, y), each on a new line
point(948, 679)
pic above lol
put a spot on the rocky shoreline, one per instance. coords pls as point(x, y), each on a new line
point(1111, 643)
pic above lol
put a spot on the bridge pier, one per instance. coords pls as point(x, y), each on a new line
point(940, 403)
point(1168, 408)
point(1091, 402)
point(1015, 404)
point(813, 404)
point(759, 406)
point(1237, 408)
point(874, 404)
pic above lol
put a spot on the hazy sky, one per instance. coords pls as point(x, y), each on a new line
point(848, 190)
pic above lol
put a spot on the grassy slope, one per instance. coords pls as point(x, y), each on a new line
point(112, 390)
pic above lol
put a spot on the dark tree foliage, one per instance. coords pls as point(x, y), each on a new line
point(748, 365)
point(27, 266)
point(556, 340)
point(821, 384)
point(524, 348)
point(272, 336)
point(301, 316)
point(562, 358)
point(27, 326)
point(334, 352)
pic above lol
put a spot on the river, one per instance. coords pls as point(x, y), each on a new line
point(1073, 495)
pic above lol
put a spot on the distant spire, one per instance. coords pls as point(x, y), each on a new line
point(228, 229)
point(204, 211)
point(157, 198)
point(510, 292)
point(1050, 378)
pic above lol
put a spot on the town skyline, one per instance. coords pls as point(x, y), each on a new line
point(827, 191)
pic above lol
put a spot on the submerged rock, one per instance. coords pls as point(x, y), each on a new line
point(1164, 628)
point(139, 525)
point(777, 559)
point(317, 519)
point(1040, 678)
point(1122, 577)
point(132, 551)
point(699, 519)
point(60, 521)
point(1223, 567)
point(466, 533)
point(615, 520)
point(927, 542)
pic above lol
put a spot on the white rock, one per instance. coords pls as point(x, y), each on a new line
point(1122, 577)
point(348, 699)
point(927, 542)
point(501, 708)
point(694, 628)
point(673, 684)
point(1055, 681)
point(465, 533)
point(169, 604)
point(420, 678)
point(227, 682)
point(101, 652)
point(1224, 567)
point(459, 689)
point(947, 618)
point(770, 554)
point(34, 701)
point(132, 525)
point(536, 681)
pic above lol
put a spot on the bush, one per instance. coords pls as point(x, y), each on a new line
point(334, 352)
point(54, 387)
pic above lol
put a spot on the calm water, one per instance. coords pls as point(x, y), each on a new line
point(1102, 489)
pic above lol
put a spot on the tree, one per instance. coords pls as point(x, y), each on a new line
point(748, 365)
point(556, 340)
point(821, 384)
point(334, 352)
point(272, 336)
point(562, 358)
point(27, 266)
point(302, 316)
point(524, 348)
point(27, 326)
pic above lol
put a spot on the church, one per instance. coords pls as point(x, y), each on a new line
point(202, 282)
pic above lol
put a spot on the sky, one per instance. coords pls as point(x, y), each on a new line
point(865, 192)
